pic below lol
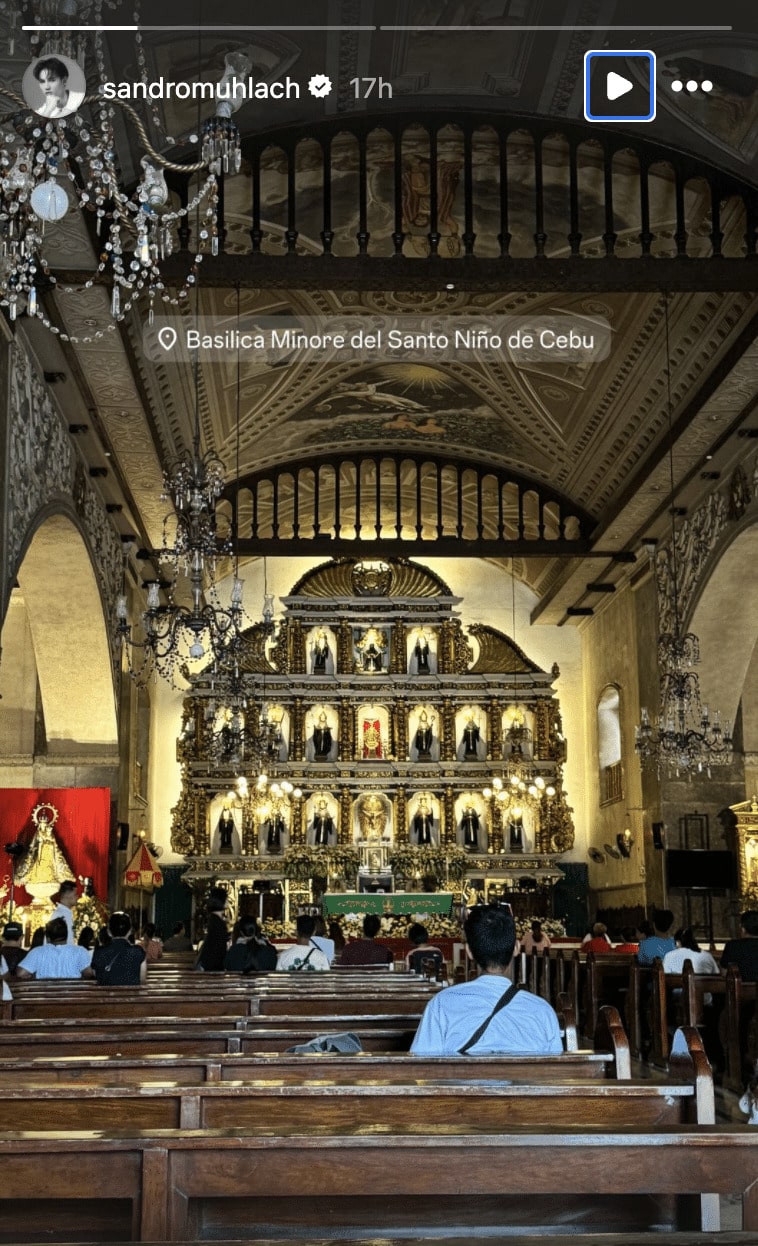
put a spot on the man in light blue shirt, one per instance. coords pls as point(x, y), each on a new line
point(526, 1024)
point(658, 944)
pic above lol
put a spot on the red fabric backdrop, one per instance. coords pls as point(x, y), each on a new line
point(82, 828)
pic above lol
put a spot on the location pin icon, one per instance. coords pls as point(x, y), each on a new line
point(168, 337)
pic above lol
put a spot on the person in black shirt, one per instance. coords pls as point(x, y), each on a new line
point(213, 948)
point(743, 952)
point(12, 948)
point(121, 963)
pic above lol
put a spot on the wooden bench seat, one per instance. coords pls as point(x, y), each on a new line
point(420, 1238)
point(396, 1067)
point(175, 1185)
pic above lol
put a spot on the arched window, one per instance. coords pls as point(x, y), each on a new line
point(609, 746)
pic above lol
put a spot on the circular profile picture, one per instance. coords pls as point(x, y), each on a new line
point(53, 86)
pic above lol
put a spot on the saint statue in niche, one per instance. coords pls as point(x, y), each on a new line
point(320, 652)
point(423, 737)
point(471, 739)
point(470, 826)
point(226, 831)
point(322, 738)
point(275, 829)
point(421, 652)
point(516, 834)
point(372, 740)
point(423, 823)
point(323, 823)
point(372, 815)
point(371, 647)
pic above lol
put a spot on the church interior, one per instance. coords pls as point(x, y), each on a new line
point(379, 462)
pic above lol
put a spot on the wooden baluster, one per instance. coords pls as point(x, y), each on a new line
point(540, 237)
point(398, 236)
point(434, 234)
point(317, 500)
point(646, 237)
point(419, 525)
point(546, 984)
point(504, 237)
point(256, 233)
point(363, 234)
point(327, 233)
point(717, 234)
point(610, 235)
point(733, 1075)
point(469, 237)
point(290, 234)
point(378, 499)
point(680, 234)
point(574, 235)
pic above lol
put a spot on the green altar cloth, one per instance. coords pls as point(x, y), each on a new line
point(400, 902)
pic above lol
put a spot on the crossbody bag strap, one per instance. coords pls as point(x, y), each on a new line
point(503, 1002)
point(308, 957)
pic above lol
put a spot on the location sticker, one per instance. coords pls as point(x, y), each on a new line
point(168, 337)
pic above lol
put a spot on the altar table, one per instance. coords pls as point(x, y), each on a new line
point(387, 904)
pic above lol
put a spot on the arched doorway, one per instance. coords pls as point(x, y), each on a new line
point(56, 676)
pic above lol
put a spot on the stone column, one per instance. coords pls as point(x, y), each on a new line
point(344, 648)
point(447, 732)
point(495, 717)
point(297, 820)
point(448, 817)
point(402, 833)
point(297, 662)
point(400, 730)
point(345, 829)
point(495, 811)
point(297, 730)
point(398, 662)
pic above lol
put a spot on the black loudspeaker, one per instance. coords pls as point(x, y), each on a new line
point(659, 834)
point(123, 836)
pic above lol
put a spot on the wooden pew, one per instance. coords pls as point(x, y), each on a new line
point(187, 1070)
point(338, 1106)
point(177, 1185)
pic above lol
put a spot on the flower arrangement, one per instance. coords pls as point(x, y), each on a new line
point(553, 928)
point(89, 911)
point(449, 863)
point(393, 927)
point(304, 861)
point(278, 930)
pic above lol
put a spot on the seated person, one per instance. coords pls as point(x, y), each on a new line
point(236, 958)
point(323, 940)
point(743, 952)
point(534, 939)
point(56, 958)
point(489, 1014)
point(121, 962)
point(305, 955)
point(660, 942)
point(179, 940)
point(423, 950)
point(12, 946)
point(599, 942)
point(688, 949)
point(367, 951)
point(152, 943)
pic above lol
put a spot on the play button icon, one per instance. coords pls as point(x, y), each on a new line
point(616, 86)
point(613, 76)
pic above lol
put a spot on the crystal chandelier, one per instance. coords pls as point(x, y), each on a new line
point(51, 167)
point(683, 739)
point(172, 630)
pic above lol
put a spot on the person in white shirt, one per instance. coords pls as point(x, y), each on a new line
point(688, 948)
point(322, 940)
point(64, 907)
point(305, 956)
point(55, 958)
